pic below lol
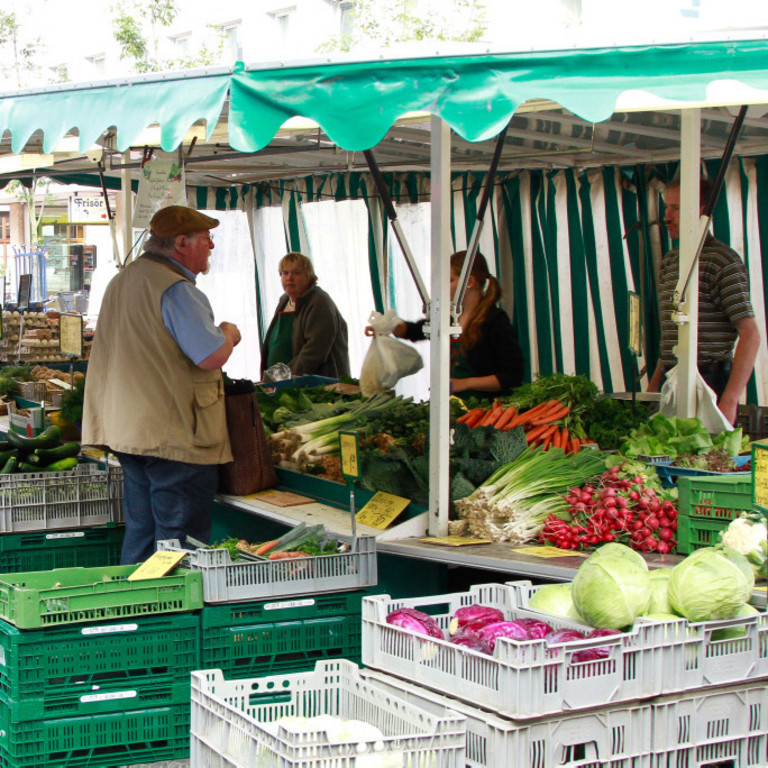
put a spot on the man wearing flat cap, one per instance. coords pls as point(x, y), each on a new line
point(154, 391)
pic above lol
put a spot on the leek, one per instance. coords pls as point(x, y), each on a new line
point(308, 442)
point(513, 503)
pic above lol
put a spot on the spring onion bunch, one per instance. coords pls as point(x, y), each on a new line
point(512, 504)
point(307, 443)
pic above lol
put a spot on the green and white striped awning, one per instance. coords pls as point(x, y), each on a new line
point(356, 103)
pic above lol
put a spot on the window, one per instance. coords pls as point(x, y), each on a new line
point(180, 44)
point(231, 34)
point(97, 64)
point(283, 24)
point(346, 18)
point(59, 73)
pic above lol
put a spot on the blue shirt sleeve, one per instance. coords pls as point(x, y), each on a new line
point(188, 316)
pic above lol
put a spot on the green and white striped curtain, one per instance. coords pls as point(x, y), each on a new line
point(568, 247)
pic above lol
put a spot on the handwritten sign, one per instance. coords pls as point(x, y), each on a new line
point(71, 334)
point(546, 552)
point(158, 565)
point(349, 445)
point(381, 510)
point(161, 184)
point(760, 475)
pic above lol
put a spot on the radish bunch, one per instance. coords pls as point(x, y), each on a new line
point(618, 507)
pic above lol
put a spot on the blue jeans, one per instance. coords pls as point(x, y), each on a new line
point(164, 499)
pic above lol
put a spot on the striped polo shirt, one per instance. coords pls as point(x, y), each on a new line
point(723, 301)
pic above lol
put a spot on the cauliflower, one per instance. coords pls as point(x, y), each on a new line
point(748, 535)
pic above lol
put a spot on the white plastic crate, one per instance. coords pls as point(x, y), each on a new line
point(690, 656)
point(86, 495)
point(718, 726)
point(233, 723)
point(521, 679)
point(615, 737)
point(225, 581)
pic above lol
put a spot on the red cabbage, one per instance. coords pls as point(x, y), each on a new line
point(602, 651)
point(510, 629)
point(564, 636)
point(473, 641)
point(535, 628)
point(415, 621)
point(469, 614)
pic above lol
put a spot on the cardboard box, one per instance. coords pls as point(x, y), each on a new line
point(29, 423)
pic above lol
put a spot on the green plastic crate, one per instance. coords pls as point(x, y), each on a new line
point(115, 739)
point(254, 639)
point(98, 668)
point(76, 595)
point(45, 550)
point(706, 506)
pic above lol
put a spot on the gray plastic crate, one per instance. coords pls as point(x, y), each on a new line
point(522, 679)
point(718, 726)
point(225, 581)
point(692, 655)
point(610, 737)
point(233, 723)
point(89, 494)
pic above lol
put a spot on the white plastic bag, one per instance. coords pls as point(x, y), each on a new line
point(707, 412)
point(387, 360)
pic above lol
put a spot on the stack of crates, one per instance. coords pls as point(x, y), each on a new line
point(61, 519)
point(95, 669)
point(662, 694)
point(271, 616)
point(706, 507)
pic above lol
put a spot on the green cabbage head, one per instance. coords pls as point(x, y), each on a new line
point(555, 599)
point(659, 598)
point(710, 584)
point(612, 588)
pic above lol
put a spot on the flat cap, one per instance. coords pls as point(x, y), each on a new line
point(179, 220)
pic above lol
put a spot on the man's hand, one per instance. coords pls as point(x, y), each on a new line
point(231, 333)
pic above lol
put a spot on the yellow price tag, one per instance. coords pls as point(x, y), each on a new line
point(157, 565)
point(71, 334)
point(546, 552)
point(760, 474)
point(349, 446)
point(381, 510)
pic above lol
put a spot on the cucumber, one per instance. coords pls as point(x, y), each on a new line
point(10, 465)
point(50, 438)
point(41, 457)
point(25, 466)
point(6, 454)
point(62, 465)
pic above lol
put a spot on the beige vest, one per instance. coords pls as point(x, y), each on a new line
point(143, 395)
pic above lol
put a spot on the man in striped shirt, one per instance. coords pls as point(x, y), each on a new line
point(726, 316)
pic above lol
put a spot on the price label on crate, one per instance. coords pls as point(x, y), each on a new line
point(381, 510)
point(158, 565)
point(760, 475)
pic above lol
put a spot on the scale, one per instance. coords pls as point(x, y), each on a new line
point(349, 446)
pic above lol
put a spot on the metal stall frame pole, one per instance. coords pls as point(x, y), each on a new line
point(474, 241)
point(694, 228)
point(389, 207)
point(440, 320)
point(127, 208)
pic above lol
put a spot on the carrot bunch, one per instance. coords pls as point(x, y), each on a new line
point(544, 424)
point(498, 416)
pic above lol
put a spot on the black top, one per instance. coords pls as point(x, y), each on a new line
point(497, 352)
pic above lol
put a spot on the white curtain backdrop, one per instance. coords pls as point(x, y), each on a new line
point(338, 241)
point(229, 286)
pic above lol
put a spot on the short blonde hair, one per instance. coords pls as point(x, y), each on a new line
point(304, 263)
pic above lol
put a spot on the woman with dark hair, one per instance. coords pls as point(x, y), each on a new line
point(486, 359)
point(307, 332)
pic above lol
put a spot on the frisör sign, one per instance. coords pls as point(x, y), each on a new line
point(87, 209)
